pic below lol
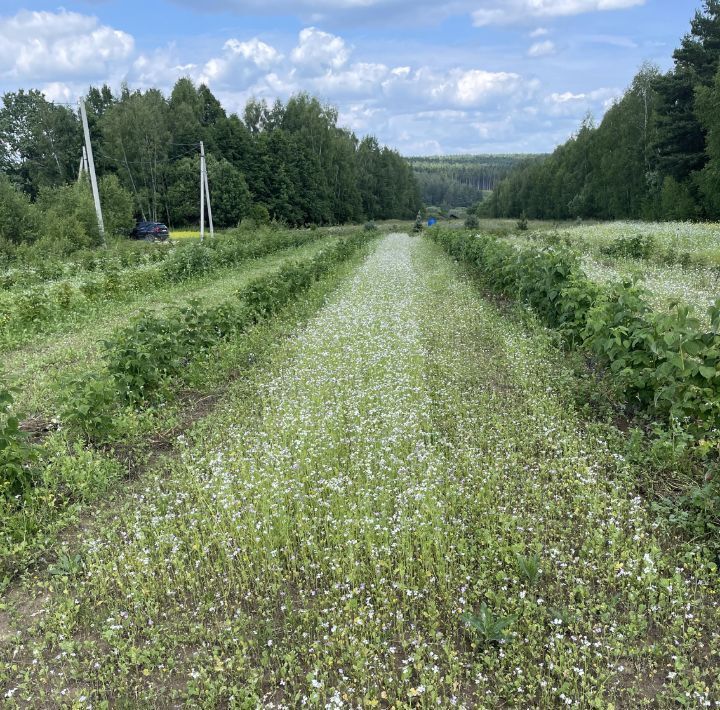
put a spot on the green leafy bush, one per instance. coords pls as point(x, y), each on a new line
point(16, 454)
point(665, 363)
point(117, 205)
point(472, 222)
point(68, 221)
point(88, 405)
point(141, 357)
point(639, 246)
point(19, 218)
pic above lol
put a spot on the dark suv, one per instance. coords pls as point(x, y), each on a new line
point(150, 231)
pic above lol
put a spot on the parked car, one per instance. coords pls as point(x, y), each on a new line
point(150, 231)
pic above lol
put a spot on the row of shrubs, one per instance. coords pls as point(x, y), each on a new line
point(29, 309)
point(142, 359)
point(119, 256)
point(154, 347)
point(665, 363)
point(645, 247)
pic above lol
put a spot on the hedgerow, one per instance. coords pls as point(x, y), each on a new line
point(141, 360)
point(28, 309)
point(665, 363)
point(154, 348)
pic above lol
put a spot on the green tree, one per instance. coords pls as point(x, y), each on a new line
point(40, 143)
point(231, 199)
point(136, 138)
point(117, 206)
point(676, 201)
point(708, 180)
point(18, 216)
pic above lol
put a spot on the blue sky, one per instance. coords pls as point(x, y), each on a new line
point(426, 77)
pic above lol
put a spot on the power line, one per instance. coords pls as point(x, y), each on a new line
point(141, 163)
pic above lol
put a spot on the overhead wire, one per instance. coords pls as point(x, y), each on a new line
point(164, 161)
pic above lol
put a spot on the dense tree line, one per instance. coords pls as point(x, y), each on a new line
point(460, 180)
point(290, 162)
point(655, 155)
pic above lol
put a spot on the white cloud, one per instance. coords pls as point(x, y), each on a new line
point(566, 97)
point(568, 103)
point(47, 45)
point(476, 86)
point(456, 88)
point(539, 32)
point(240, 62)
point(262, 55)
point(58, 91)
point(515, 11)
point(542, 49)
point(160, 68)
point(320, 50)
point(361, 78)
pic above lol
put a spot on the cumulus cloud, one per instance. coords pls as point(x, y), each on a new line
point(240, 62)
point(159, 68)
point(568, 103)
point(542, 49)
point(321, 63)
point(362, 78)
point(53, 45)
point(319, 50)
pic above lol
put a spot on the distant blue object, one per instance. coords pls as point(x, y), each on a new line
point(432, 221)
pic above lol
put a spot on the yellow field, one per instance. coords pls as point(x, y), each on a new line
point(185, 234)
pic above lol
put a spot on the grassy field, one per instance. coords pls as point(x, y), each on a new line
point(38, 367)
point(674, 261)
point(387, 493)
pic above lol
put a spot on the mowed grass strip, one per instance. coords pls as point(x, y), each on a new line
point(38, 369)
point(403, 510)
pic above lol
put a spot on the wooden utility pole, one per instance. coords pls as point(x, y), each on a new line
point(91, 169)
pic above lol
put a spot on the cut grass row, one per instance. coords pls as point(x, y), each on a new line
point(38, 368)
point(69, 472)
point(400, 508)
point(40, 309)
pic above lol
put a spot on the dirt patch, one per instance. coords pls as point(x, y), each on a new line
point(7, 632)
point(22, 610)
point(38, 428)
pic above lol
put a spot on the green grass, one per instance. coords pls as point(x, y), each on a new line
point(38, 368)
point(399, 507)
point(70, 476)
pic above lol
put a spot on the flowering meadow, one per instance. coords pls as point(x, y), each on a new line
point(698, 286)
point(398, 506)
point(673, 261)
point(701, 240)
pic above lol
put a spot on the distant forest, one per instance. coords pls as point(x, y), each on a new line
point(286, 161)
point(656, 154)
point(461, 180)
